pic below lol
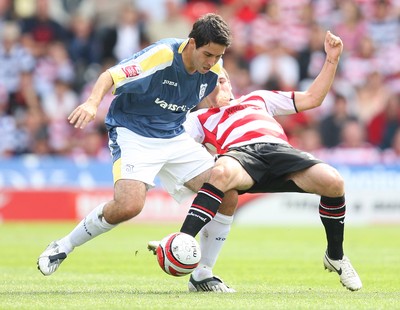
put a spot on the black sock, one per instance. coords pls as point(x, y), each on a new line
point(332, 212)
point(203, 209)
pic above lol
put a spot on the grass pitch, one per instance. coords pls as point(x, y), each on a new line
point(271, 268)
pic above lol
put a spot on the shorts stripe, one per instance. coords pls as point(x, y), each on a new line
point(116, 170)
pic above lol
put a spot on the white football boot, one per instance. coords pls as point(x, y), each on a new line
point(348, 275)
point(49, 261)
point(152, 246)
point(212, 284)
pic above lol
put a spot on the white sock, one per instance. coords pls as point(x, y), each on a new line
point(212, 238)
point(91, 226)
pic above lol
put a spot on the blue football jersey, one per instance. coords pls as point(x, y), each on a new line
point(154, 92)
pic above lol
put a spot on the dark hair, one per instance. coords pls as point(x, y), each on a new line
point(210, 28)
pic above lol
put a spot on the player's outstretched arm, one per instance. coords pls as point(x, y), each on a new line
point(86, 112)
point(318, 90)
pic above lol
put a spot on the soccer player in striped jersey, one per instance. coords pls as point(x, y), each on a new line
point(256, 157)
point(154, 89)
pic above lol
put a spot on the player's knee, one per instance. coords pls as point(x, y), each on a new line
point(133, 209)
point(334, 183)
point(126, 210)
point(220, 175)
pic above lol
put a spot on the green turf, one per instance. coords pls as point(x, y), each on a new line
point(271, 268)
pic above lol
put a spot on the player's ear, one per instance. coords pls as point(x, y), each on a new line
point(192, 43)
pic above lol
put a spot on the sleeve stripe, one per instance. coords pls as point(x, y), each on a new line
point(157, 58)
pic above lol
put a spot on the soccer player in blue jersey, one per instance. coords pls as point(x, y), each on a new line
point(154, 89)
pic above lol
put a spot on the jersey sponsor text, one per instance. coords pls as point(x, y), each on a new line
point(170, 106)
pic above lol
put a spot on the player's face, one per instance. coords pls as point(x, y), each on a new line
point(203, 58)
point(222, 93)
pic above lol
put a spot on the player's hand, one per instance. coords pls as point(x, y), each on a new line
point(333, 46)
point(82, 115)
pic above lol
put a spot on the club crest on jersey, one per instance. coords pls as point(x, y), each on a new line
point(131, 71)
point(129, 168)
point(203, 88)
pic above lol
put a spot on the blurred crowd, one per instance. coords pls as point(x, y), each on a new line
point(52, 51)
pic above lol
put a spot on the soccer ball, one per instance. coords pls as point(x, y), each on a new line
point(178, 254)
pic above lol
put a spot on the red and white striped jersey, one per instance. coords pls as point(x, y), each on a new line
point(247, 120)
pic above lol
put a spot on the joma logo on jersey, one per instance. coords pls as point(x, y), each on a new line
point(203, 88)
point(170, 83)
point(171, 106)
point(131, 71)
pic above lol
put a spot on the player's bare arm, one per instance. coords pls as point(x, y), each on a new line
point(318, 90)
point(86, 112)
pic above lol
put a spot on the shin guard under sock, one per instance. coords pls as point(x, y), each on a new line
point(332, 212)
point(203, 209)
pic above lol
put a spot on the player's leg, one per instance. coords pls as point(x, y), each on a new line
point(128, 201)
point(227, 174)
point(212, 238)
point(129, 198)
point(131, 176)
point(321, 179)
point(214, 234)
point(325, 181)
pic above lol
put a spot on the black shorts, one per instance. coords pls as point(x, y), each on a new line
point(269, 164)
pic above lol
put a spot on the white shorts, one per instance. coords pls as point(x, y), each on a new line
point(175, 161)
